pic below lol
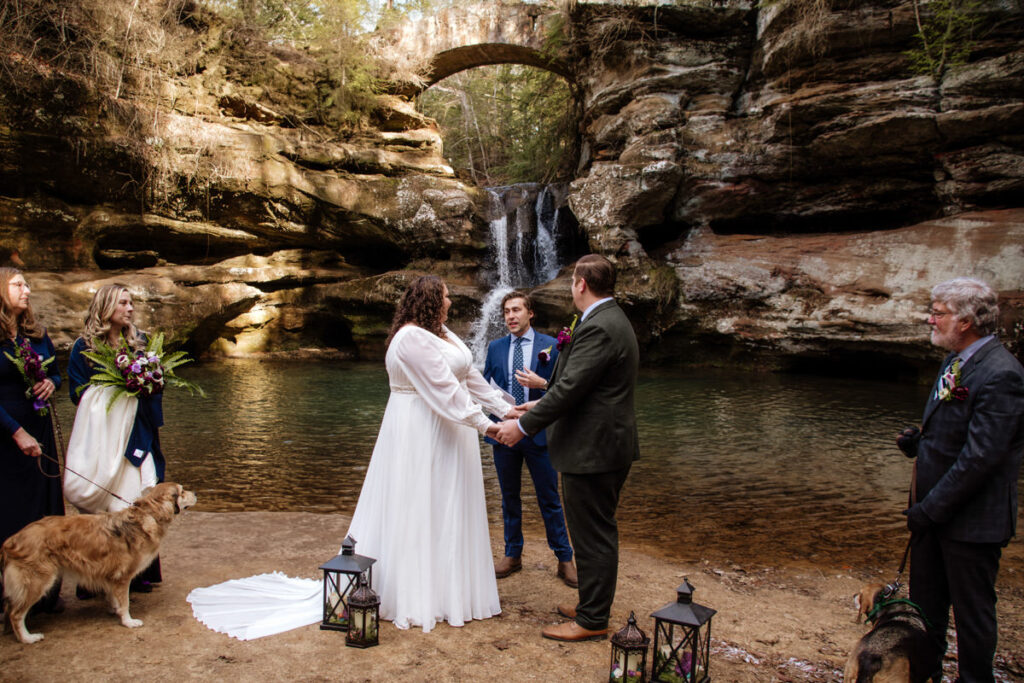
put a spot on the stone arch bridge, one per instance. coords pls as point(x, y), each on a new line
point(467, 36)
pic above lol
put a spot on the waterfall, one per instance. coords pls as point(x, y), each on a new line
point(546, 262)
point(525, 248)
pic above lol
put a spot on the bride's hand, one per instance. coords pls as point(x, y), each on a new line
point(492, 431)
point(515, 413)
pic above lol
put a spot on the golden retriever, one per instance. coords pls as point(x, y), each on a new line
point(102, 552)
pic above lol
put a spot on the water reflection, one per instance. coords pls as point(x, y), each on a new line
point(753, 469)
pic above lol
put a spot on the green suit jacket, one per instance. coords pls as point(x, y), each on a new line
point(588, 409)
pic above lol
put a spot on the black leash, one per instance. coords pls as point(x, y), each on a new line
point(894, 587)
point(59, 434)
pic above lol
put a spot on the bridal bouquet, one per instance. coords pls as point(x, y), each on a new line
point(137, 373)
point(33, 370)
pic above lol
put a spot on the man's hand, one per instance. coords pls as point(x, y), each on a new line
point(917, 520)
point(530, 379)
point(509, 433)
point(519, 410)
point(907, 441)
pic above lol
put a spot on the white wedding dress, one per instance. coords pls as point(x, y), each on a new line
point(421, 513)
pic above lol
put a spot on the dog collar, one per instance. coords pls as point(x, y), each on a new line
point(885, 603)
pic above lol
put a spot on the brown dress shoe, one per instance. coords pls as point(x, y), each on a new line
point(567, 573)
point(567, 611)
point(506, 566)
point(571, 632)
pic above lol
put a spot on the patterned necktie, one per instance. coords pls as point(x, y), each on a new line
point(517, 364)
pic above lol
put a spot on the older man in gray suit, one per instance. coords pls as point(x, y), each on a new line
point(968, 453)
point(592, 440)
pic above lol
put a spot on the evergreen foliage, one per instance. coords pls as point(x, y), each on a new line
point(945, 35)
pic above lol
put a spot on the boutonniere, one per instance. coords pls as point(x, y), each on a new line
point(565, 334)
point(949, 384)
point(545, 355)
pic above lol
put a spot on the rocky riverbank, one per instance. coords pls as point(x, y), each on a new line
point(781, 623)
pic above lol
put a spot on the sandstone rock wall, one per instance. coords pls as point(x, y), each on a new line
point(769, 187)
point(777, 179)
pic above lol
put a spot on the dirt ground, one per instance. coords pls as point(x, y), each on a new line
point(773, 624)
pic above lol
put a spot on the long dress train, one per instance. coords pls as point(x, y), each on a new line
point(421, 513)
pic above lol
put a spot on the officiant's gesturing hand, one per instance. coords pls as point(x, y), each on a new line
point(530, 379)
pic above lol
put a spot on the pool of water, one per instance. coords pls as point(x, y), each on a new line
point(753, 469)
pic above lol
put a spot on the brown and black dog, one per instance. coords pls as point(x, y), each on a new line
point(101, 552)
point(898, 648)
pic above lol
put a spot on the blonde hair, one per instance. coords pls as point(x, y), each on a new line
point(97, 319)
point(12, 324)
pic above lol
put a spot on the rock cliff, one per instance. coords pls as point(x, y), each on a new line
point(771, 184)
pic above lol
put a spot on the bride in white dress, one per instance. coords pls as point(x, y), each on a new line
point(421, 511)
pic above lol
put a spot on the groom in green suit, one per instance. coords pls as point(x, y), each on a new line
point(592, 439)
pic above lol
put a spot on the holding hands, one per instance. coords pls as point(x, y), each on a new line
point(508, 433)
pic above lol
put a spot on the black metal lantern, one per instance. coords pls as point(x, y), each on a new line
point(682, 640)
point(341, 574)
point(629, 654)
point(363, 616)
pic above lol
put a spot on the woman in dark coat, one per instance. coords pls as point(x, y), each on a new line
point(141, 460)
point(30, 486)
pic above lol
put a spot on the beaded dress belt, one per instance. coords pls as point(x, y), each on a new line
point(403, 390)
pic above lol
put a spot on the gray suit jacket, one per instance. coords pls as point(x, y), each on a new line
point(969, 453)
point(588, 409)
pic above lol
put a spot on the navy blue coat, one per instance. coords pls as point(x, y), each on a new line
point(496, 368)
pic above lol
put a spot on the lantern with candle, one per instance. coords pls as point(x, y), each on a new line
point(682, 640)
point(341, 574)
point(363, 616)
point(629, 654)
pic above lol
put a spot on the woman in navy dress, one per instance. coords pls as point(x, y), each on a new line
point(29, 483)
point(109, 320)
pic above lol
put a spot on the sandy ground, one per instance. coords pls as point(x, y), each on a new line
point(773, 624)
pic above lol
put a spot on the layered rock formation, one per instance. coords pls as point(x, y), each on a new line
point(772, 159)
point(768, 183)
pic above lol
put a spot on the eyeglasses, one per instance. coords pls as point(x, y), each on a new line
point(938, 314)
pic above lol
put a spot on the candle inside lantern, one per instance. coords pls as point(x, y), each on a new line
point(632, 664)
point(357, 621)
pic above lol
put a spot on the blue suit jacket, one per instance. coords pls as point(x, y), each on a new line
point(496, 368)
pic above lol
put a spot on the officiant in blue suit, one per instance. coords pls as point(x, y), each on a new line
point(521, 364)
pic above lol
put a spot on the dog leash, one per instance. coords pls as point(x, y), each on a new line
point(59, 434)
point(892, 588)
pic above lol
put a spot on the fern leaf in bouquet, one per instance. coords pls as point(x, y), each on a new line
point(137, 373)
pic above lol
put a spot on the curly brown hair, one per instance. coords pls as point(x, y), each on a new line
point(421, 305)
